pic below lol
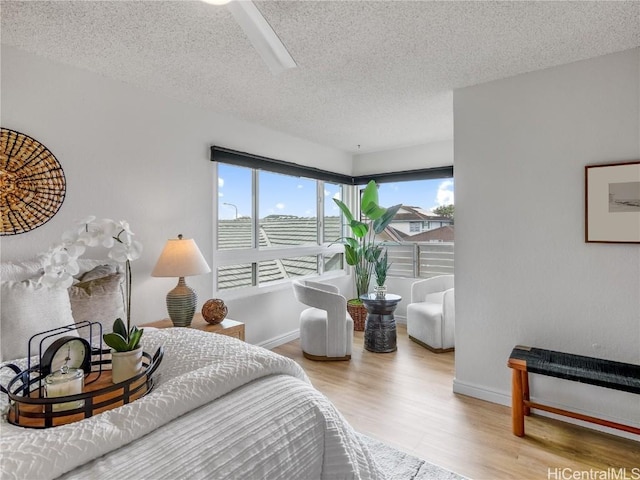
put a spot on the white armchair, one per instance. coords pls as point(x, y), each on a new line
point(326, 329)
point(431, 313)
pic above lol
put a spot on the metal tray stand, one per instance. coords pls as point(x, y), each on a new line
point(29, 408)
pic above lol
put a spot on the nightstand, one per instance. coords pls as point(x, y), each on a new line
point(228, 327)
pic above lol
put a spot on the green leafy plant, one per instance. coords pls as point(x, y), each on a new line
point(361, 250)
point(123, 340)
point(381, 268)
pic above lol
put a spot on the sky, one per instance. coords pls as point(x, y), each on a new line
point(286, 195)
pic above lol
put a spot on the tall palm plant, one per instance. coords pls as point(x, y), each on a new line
point(361, 250)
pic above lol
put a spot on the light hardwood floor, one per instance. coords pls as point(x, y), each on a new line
point(405, 399)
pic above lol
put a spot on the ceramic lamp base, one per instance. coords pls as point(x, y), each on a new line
point(181, 304)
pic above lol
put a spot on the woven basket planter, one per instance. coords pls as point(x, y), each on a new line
point(359, 314)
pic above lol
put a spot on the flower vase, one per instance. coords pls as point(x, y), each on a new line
point(380, 291)
point(125, 365)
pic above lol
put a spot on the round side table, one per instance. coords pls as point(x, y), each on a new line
point(380, 334)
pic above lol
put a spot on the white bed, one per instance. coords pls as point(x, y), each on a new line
point(222, 409)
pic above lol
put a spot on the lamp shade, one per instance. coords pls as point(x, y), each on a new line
point(181, 257)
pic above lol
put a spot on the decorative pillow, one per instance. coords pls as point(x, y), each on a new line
point(98, 299)
point(98, 272)
point(27, 308)
point(20, 270)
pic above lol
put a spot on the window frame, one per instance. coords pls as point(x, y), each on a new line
point(256, 254)
point(350, 195)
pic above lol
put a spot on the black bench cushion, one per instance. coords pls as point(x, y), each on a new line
point(595, 371)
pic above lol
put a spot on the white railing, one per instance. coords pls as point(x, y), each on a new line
point(421, 260)
point(408, 260)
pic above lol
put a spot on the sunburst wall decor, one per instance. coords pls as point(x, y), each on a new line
point(32, 183)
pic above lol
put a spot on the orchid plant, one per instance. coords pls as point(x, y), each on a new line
point(61, 261)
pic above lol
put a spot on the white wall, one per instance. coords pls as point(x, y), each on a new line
point(524, 274)
point(128, 154)
point(430, 155)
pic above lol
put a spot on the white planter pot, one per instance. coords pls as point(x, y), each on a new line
point(125, 365)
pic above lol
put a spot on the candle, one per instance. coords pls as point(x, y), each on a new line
point(64, 382)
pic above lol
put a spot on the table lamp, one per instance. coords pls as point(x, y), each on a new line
point(181, 258)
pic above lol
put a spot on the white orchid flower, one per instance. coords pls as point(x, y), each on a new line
point(109, 229)
point(121, 252)
point(70, 237)
point(118, 253)
point(124, 225)
point(135, 250)
point(75, 251)
point(90, 237)
point(86, 220)
point(63, 280)
point(60, 262)
point(124, 237)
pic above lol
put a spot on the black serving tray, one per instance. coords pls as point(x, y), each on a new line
point(29, 408)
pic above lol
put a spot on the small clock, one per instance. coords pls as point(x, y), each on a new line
point(74, 352)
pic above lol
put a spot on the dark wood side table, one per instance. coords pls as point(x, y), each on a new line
point(380, 334)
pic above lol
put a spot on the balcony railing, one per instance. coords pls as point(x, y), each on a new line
point(421, 260)
point(408, 259)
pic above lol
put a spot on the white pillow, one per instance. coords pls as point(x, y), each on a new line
point(27, 308)
point(20, 270)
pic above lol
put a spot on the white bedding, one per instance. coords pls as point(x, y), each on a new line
point(244, 412)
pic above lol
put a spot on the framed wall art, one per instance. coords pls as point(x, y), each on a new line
point(32, 181)
point(612, 203)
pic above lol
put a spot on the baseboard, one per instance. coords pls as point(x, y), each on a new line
point(280, 340)
point(476, 391)
point(503, 398)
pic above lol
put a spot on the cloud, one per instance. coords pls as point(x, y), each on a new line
point(220, 182)
point(445, 193)
point(280, 206)
point(300, 186)
point(220, 194)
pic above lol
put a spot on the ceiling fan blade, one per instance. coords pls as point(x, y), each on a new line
point(262, 36)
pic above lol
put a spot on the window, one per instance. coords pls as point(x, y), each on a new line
point(235, 214)
point(423, 243)
point(288, 210)
point(277, 220)
point(272, 226)
point(332, 221)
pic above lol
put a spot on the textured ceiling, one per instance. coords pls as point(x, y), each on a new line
point(375, 74)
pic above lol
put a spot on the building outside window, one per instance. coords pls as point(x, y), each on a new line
point(421, 236)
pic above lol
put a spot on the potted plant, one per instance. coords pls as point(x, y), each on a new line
point(381, 268)
point(61, 263)
point(126, 357)
point(361, 250)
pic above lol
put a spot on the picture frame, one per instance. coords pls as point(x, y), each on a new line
point(612, 203)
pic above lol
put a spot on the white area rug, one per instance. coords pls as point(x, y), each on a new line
point(402, 466)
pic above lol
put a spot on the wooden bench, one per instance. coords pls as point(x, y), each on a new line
point(595, 371)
